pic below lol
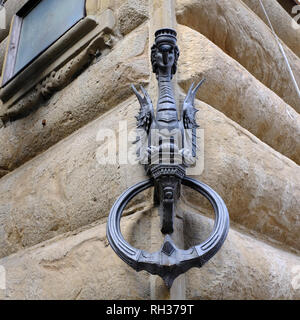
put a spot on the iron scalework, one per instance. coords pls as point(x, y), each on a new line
point(167, 146)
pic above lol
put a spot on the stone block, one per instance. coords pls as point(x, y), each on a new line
point(239, 32)
point(281, 21)
point(101, 87)
point(131, 14)
point(244, 268)
point(231, 89)
point(78, 266)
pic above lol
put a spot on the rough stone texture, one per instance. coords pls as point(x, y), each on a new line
point(260, 187)
point(244, 268)
point(64, 195)
point(3, 172)
point(82, 266)
point(288, 5)
point(233, 90)
point(102, 86)
point(94, 7)
point(65, 187)
point(240, 33)
point(282, 22)
point(131, 14)
point(79, 266)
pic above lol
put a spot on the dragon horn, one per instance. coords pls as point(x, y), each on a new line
point(190, 89)
point(198, 86)
point(144, 91)
point(136, 93)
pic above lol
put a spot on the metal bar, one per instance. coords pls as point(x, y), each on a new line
point(281, 49)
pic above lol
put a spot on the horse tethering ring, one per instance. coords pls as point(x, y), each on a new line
point(175, 261)
point(167, 176)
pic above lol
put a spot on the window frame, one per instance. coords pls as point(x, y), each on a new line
point(8, 71)
point(19, 95)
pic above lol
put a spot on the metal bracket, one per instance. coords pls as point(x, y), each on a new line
point(166, 149)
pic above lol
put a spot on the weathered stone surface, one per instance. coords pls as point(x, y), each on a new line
point(260, 187)
point(244, 36)
point(288, 5)
point(131, 14)
point(82, 266)
point(233, 90)
point(98, 89)
point(79, 266)
point(94, 7)
point(3, 172)
point(66, 187)
point(281, 21)
point(244, 268)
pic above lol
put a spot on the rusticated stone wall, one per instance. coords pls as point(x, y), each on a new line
point(55, 196)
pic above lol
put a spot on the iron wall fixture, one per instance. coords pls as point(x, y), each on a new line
point(166, 147)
